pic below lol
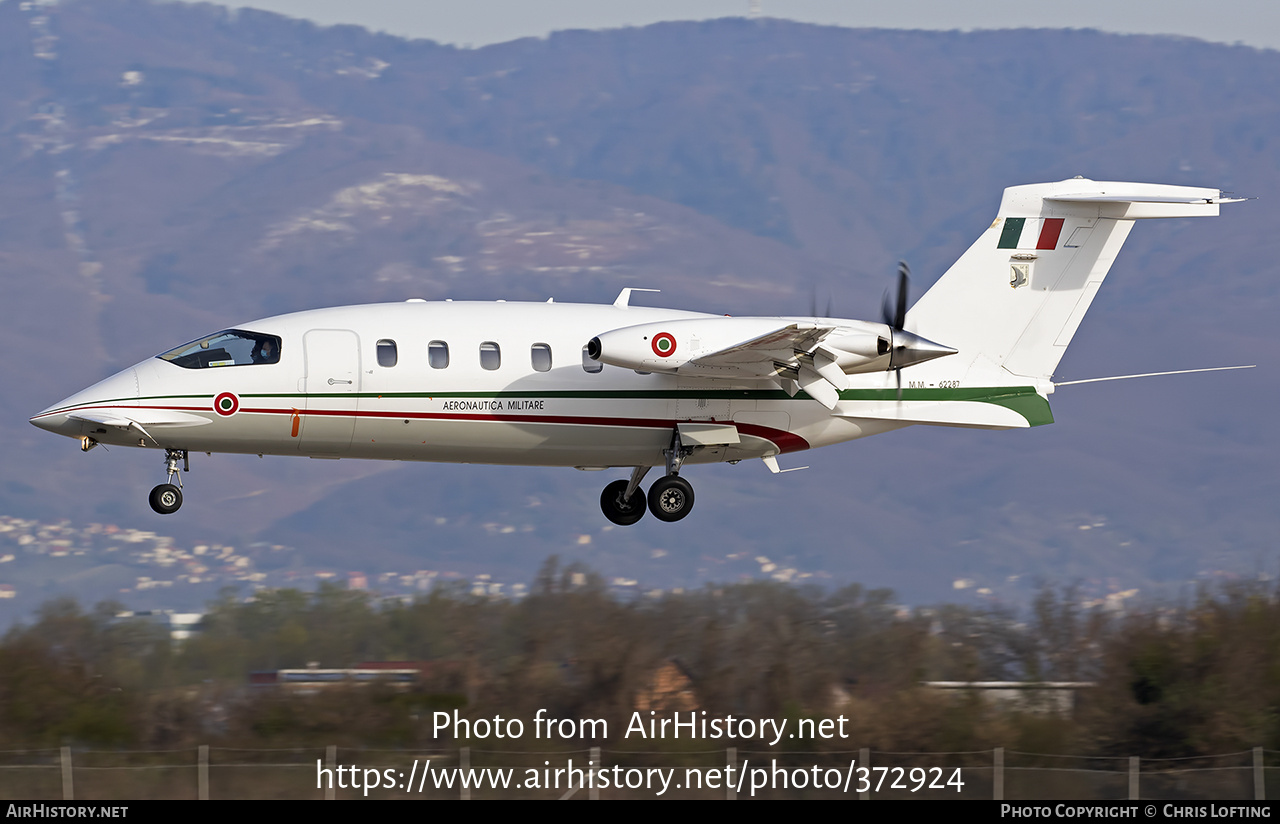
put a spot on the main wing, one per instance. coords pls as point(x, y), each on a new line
point(795, 354)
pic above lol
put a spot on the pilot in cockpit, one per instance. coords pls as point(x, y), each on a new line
point(264, 351)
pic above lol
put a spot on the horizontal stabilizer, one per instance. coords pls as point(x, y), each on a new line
point(1104, 198)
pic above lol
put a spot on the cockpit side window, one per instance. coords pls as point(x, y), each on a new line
point(230, 347)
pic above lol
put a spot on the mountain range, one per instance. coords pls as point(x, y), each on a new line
point(167, 170)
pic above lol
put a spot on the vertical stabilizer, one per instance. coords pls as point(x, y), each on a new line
point(1017, 296)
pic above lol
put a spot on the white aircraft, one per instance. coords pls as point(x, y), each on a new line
point(598, 387)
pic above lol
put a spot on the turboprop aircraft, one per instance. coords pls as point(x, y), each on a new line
point(622, 386)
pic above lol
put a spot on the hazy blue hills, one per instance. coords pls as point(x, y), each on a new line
point(167, 170)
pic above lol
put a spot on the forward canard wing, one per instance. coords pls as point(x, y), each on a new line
point(125, 418)
point(138, 419)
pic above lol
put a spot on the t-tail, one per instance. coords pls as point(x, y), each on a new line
point(1012, 303)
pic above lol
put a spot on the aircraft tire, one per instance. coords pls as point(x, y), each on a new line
point(670, 498)
point(618, 512)
point(165, 499)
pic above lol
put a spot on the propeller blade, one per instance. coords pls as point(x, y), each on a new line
point(813, 303)
point(895, 316)
point(904, 286)
point(894, 312)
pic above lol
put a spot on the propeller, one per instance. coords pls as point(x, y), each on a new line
point(813, 304)
point(894, 315)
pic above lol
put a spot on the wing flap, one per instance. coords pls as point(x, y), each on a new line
point(779, 344)
point(777, 354)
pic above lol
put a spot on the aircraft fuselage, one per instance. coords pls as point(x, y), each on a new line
point(467, 382)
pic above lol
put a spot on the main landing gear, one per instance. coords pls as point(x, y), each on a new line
point(166, 498)
point(670, 498)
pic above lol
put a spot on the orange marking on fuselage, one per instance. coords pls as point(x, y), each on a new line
point(296, 420)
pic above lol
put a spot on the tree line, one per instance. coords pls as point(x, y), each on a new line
point(1170, 680)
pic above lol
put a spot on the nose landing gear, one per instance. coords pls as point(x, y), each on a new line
point(167, 497)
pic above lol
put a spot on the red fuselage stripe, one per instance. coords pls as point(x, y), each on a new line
point(785, 441)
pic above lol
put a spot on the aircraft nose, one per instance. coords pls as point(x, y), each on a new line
point(57, 420)
point(48, 421)
point(121, 389)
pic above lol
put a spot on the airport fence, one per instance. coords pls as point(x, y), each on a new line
point(333, 772)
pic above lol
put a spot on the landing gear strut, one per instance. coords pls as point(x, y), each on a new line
point(669, 499)
point(166, 498)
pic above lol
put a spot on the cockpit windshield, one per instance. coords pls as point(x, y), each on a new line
point(230, 347)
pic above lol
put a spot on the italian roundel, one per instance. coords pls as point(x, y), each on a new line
point(226, 404)
point(664, 345)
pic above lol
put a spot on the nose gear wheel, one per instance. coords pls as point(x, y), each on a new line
point(166, 498)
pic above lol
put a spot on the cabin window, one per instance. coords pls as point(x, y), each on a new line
point(438, 354)
point(490, 355)
point(541, 354)
point(590, 364)
point(386, 352)
point(230, 347)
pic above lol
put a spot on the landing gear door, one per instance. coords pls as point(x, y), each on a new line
point(332, 386)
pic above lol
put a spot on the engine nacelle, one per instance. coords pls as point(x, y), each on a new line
point(668, 345)
point(878, 349)
point(865, 350)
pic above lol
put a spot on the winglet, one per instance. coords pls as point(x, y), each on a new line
point(624, 297)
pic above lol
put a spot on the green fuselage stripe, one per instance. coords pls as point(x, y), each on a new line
point(1023, 400)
